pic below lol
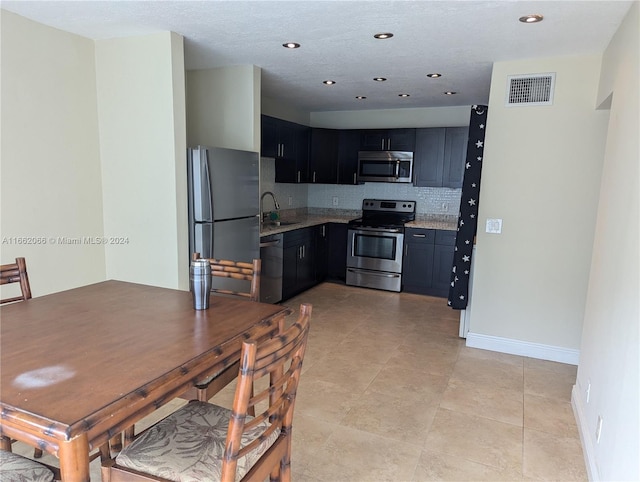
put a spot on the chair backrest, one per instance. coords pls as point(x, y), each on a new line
point(281, 358)
point(16, 273)
point(240, 270)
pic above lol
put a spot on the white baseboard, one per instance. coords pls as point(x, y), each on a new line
point(585, 436)
point(523, 348)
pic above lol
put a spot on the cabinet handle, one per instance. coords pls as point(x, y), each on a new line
point(382, 145)
point(281, 150)
point(389, 143)
point(323, 231)
point(298, 176)
point(314, 176)
point(419, 235)
point(354, 178)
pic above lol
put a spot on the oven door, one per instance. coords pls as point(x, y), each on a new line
point(375, 249)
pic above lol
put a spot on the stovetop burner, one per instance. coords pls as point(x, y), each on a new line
point(385, 214)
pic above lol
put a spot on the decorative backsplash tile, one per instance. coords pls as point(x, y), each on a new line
point(430, 200)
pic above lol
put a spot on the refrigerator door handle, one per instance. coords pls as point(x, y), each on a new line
point(206, 188)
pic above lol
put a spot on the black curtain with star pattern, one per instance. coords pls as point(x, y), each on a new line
point(468, 217)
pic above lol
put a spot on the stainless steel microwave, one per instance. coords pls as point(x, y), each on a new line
point(385, 166)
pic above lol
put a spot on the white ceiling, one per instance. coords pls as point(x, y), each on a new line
point(457, 38)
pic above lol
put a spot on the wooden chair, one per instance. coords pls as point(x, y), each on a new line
point(250, 272)
point(202, 441)
point(240, 270)
point(16, 273)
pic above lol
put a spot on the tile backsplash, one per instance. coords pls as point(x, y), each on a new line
point(430, 200)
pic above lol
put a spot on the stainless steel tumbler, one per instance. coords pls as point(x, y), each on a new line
point(200, 283)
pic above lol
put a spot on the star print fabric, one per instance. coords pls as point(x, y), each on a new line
point(468, 217)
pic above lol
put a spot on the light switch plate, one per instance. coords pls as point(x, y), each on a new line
point(494, 226)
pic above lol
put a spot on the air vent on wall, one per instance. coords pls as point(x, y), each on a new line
point(530, 89)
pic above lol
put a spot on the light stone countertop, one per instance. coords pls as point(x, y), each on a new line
point(299, 221)
point(303, 221)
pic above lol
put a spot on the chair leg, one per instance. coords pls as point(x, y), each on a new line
point(116, 443)
point(129, 435)
point(5, 444)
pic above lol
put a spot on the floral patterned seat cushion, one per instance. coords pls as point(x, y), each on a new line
point(15, 468)
point(188, 445)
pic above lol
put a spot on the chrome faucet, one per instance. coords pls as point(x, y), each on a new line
point(275, 203)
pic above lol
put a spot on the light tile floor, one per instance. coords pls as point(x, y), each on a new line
point(390, 393)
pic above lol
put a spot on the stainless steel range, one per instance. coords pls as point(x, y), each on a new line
point(375, 244)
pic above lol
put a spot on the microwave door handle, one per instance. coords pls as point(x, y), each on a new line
point(397, 168)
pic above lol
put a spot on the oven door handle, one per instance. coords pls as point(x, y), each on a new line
point(374, 273)
point(376, 230)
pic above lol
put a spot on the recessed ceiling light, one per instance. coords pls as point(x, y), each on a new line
point(450, 92)
point(531, 18)
point(434, 76)
point(329, 82)
point(360, 97)
point(383, 36)
point(291, 45)
point(379, 79)
point(403, 95)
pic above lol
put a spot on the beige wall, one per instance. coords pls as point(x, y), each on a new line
point(50, 164)
point(388, 118)
point(609, 357)
point(141, 111)
point(541, 176)
point(221, 104)
point(277, 109)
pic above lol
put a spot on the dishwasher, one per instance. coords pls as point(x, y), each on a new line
point(271, 249)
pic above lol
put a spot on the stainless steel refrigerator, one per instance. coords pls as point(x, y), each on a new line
point(224, 206)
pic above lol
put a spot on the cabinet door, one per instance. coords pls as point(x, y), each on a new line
point(291, 164)
point(373, 139)
point(289, 271)
point(387, 139)
point(323, 158)
point(429, 156)
point(442, 265)
point(269, 137)
point(348, 147)
point(417, 269)
point(401, 140)
point(306, 273)
point(455, 156)
point(443, 261)
point(337, 255)
point(321, 252)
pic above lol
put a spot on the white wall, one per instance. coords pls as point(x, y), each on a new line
point(223, 107)
point(50, 164)
point(141, 109)
point(541, 176)
point(609, 357)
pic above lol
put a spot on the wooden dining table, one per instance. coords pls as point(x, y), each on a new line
point(80, 366)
